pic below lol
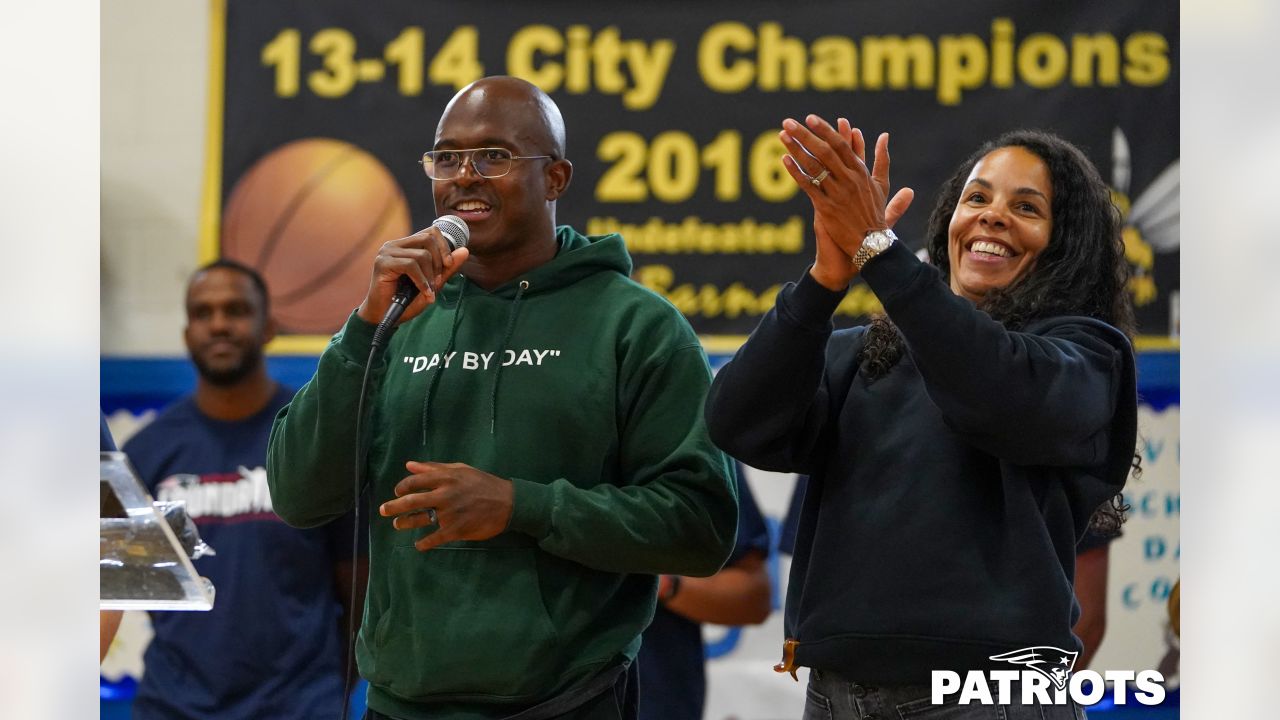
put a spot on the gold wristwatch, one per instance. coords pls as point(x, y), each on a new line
point(876, 242)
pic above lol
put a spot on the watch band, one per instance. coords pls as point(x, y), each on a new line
point(875, 242)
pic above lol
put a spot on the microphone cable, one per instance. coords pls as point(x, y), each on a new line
point(456, 234)
point(358, 489)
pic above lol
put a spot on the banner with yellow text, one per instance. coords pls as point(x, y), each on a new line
point(322, 110)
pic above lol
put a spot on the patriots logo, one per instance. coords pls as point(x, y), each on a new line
point(1051, 662)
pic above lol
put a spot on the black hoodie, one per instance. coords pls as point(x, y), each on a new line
point(946, 497)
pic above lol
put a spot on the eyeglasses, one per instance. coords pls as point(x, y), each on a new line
point(485, 162)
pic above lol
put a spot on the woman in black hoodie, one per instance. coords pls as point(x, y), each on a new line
point(958, 446)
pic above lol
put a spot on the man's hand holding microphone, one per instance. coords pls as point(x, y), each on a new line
point(409, 270)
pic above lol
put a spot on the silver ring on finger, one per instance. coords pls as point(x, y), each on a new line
point(431, 515)
point(817, 179)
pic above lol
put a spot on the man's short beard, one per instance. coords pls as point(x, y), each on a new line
point(233, 375)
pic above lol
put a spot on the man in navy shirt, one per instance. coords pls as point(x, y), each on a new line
point(673, 683)
point(274, 644)
point(1092, 565)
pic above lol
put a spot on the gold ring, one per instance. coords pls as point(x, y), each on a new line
point(817, 179)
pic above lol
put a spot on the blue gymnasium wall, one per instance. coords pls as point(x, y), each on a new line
point(138, 384)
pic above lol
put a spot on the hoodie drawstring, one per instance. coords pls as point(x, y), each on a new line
point(497, 376)
point(435, 377)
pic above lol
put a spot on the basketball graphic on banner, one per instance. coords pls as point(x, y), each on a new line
point(310, 216)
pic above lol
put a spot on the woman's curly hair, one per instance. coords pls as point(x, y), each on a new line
point(1082, 271)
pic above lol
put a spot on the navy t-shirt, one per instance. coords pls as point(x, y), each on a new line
point(673, 683)
point(271, 647)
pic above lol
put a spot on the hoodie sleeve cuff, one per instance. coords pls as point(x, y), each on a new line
point(354, 339)
point(894, 273)
point(531, 508)
point(808, 304)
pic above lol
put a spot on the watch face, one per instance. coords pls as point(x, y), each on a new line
point(879, 240)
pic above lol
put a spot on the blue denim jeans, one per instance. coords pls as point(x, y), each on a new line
point(830, 697)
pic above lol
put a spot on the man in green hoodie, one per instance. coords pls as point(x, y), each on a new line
point(535, 451)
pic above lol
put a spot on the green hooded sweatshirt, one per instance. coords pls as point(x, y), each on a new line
point(586, 391)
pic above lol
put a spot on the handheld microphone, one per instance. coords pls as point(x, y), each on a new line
point(455, 232)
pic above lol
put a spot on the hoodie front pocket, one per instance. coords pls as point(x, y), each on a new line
point(464, 621)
